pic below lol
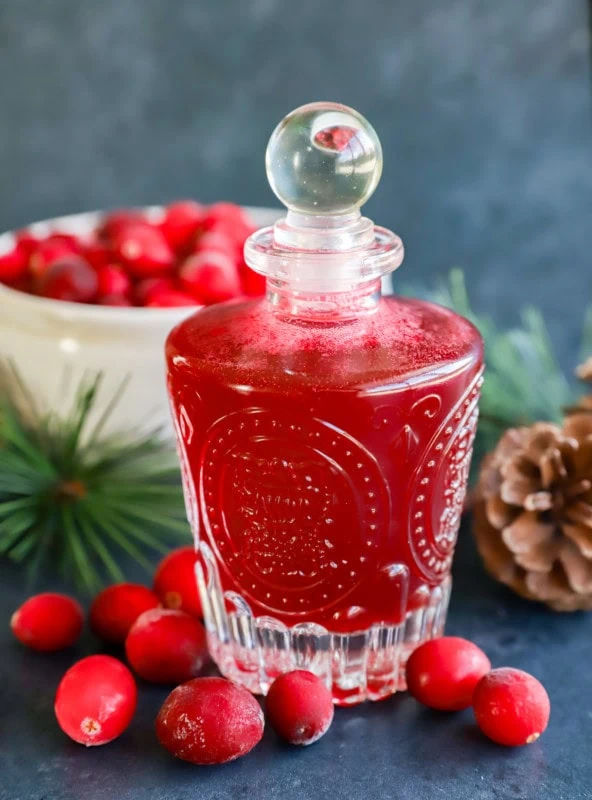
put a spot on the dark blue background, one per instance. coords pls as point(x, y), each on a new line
point(483, 108)
point(484, 112)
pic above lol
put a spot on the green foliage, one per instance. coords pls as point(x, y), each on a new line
point(74, 498)
point(523, 381)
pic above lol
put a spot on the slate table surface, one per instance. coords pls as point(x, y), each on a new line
point(394, 749)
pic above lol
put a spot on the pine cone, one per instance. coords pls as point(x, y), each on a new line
point(584, 371)
point(533, 512)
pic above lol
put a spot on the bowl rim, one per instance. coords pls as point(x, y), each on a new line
point(92, 312)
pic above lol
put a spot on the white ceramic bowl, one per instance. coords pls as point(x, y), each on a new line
point(54, 343)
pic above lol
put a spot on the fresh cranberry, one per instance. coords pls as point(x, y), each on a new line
point(115, 300)
point(209, 721)
point(48, 622)
point(143, 250)
point(181, 224)
point(13, 265)
point(175, 581)
point(299, 707)
point(254, 284)
point(113, 222)
point(75, 244)
point(170, 299)
point(145, 290)
point(210, 277)
point(71, 279)
point(26, 242)
point(511, 707)
point(442, 673)
point(216, 241)
point(113, 280)
point(48, 253)
point(96, 700)
point(98, 254)
point(116, 608)
point(166, 646)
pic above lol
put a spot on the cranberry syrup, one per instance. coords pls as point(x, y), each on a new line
point(325, 439)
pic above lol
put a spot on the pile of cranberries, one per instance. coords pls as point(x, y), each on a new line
point(211, 720)
point(190, 255)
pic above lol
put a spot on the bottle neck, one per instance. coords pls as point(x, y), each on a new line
point(325, 307)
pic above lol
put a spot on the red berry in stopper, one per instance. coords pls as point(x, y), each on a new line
point(71, 279)
point(443, 673)
point(300, 707)
point(166, 646)
point(170, 299)
point(48, 622)
point(211, 277)
point(175, 581)
point(13, 265)
point(209, 721)
point(96, 700)
point(511, 707)
point(116, 608)
point(143, 250)
point(113, 280)
point(181, 224)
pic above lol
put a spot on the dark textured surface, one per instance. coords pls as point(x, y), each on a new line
point(393, 750)
point(484, 112)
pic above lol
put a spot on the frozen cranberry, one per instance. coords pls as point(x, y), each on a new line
point(48, 622)
point(116, 608)
point(170, 299)
point(96, 700)
point(70, 279)
point(175, 582)
point(50, 252)
point(299, 707)
point(113, 222)
point(443, 673)
point(98, 254)
point(210, 277)
point(166, 646)
point(112, 279)
point(181, 224)
point(511, 707)
point(209, 721)
point(145, 290)
point(13, 265)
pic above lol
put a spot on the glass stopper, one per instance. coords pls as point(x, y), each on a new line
point(324, 159)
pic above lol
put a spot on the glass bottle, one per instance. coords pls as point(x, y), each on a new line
point(325, 433)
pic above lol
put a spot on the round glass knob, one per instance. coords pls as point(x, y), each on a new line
point(324, 158)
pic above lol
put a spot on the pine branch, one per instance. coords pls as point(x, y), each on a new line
point(77, 500)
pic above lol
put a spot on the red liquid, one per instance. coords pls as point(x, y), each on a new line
point(326, 463)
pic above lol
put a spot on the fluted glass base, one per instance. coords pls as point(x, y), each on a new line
point(364, 665)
